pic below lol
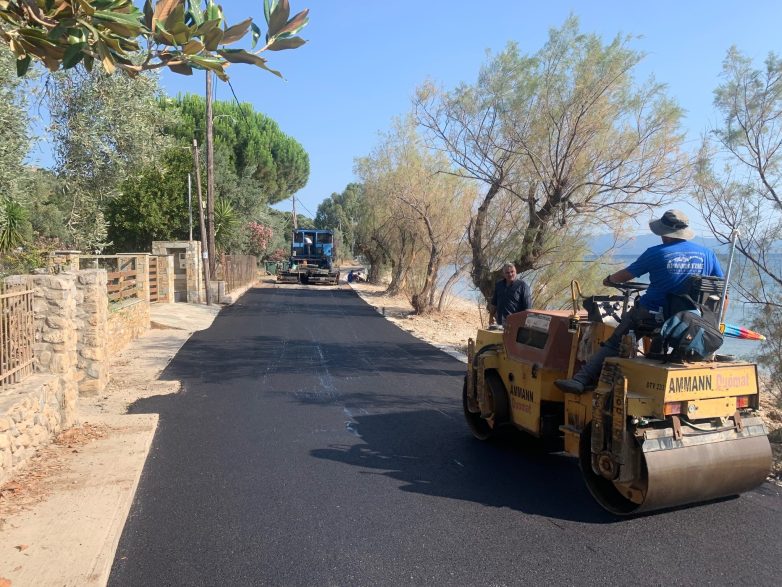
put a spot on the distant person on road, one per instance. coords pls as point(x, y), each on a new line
point(351, 276)
point(511, 295)
point(669, 266)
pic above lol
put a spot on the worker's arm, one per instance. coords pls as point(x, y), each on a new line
point(492, 313)
point(620, 276)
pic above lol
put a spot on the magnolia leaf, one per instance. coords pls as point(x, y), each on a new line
point(149, 13)
point(212, 39)
point(89, 61)
point(181, 33)
point(176, 18)
point(206, 27)
point(242, 56)
point(73, 55)
point(105, 57)
point(22, 65)
point(193, 47)
point(213, 12)
point(162, 36)
point(120, 29)
point(196, 13)
point(236, 32)
point(164, 8)
point(180, 68)
point(283, 43)
point(87, 7)
point(279, 17)
point(295, 24)
point(268, 8)
point(256, 33)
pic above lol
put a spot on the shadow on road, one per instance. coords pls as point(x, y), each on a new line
point(512, 472)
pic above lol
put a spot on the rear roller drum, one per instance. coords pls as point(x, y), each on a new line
point(484, 428)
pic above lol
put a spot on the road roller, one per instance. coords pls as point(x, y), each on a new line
point(652, 434)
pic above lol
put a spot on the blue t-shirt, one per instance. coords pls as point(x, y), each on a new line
point(669, 265)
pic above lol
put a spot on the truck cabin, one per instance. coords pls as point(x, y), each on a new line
point(312, 245)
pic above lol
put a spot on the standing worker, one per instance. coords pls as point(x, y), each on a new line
point(511, 294)
point(669, 266)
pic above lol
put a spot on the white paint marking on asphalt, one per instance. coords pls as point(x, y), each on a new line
point(351, 425)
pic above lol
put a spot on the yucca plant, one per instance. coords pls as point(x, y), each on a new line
point(12, 220)
point(226, 222)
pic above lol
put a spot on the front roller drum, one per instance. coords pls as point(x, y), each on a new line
point(680, 472)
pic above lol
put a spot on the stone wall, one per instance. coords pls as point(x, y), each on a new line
point(92, 315)
point(30, 416)
point(125, 324)
point(76, 333)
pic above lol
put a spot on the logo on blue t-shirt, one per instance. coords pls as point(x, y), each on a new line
point(686, 264)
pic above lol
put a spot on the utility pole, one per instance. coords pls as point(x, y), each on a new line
point(295, 223)
point(210, 175)
point(190, 202)
point(204, 251)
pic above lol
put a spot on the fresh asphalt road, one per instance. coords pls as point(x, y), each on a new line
point(315, 443)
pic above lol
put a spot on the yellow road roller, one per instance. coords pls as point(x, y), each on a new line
point(652, 434)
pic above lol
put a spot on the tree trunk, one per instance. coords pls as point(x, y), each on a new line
point(481, 272)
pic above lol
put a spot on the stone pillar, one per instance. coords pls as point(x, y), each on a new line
point(165, 278)
point(56, 340)
point(92, 314)
point(63, 261)
point(195, 274)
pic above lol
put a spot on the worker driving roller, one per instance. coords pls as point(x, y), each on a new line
point(669, 265)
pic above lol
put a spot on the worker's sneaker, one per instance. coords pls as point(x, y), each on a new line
point(570, 386)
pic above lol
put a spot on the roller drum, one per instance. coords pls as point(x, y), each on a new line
point(703, 472)
point(695, 468)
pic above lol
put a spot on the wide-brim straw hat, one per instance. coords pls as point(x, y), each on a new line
point(673, 224)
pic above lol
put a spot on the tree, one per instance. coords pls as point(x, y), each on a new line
point(257, 164)
point(152, 205)
point(739, 173)
point(429, 208)
point(339, 212)
point(567, 132)
point(103, 128)
point(177, 34)
point(15, 227)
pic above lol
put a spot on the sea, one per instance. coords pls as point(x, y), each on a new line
point(738, 313)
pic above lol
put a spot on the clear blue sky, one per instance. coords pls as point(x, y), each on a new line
point(364, 59)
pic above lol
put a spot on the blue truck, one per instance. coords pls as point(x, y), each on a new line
point(312, 258)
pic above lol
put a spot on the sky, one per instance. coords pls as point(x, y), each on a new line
point(364, 59)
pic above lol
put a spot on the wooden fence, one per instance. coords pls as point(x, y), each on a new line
point(237, 270)
point(153, 279)
point(123, 279)
point(17, 333)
